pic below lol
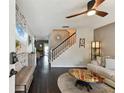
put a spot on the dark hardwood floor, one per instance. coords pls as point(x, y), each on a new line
point(45, 78)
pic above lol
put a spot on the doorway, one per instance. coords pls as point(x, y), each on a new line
point(46, 49)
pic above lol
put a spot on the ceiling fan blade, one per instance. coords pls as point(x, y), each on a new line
point(90, 4)
point(97, 3)
point(76, 14)
point(101, 13)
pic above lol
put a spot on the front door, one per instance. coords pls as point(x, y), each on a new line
point(12, 30)
point(11, 80)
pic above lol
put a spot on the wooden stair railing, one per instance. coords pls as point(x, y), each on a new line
point(64, 45)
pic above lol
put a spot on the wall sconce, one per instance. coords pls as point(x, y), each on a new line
point(95, 49)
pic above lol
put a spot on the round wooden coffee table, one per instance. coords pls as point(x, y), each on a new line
point(85, 77)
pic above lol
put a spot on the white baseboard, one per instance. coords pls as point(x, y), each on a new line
point(84, 66)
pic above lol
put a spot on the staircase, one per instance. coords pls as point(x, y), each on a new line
point(62, 47)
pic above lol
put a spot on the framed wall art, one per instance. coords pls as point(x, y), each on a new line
point(81, 42)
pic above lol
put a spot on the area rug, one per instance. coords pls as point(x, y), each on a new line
point(66, 84)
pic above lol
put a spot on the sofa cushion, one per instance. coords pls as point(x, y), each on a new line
point(105, 72)
point(109, 82)
point(94, 62)
point(102, 71)
point(98, 61)
point(110, 64)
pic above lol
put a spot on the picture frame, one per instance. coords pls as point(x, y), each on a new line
point(29, 40)
point(81, 42)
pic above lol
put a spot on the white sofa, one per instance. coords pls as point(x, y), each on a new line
point(108, 74)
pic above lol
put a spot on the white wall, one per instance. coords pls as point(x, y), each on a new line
point(75, 56)
point(27, 48)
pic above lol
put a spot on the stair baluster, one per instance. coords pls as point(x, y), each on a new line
point(64, 45)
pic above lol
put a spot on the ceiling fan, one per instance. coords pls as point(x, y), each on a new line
point(91, 9)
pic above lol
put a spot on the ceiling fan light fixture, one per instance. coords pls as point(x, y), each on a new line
point(91, 12)
point(91, 9)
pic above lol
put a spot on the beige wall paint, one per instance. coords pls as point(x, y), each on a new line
point(106, 35)
point(63, 33)
point(75, 56)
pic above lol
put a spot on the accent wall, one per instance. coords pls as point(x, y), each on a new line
point(106, 35)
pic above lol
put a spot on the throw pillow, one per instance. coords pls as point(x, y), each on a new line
point(94, 62)
point(99, 61)
point(110, 64)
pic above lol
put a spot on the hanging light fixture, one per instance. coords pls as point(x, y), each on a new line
point(91, 12)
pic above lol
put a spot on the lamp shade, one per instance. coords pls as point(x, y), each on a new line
point(95, 44)
point(95, 49)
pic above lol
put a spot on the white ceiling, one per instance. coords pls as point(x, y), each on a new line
point(45, 15)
